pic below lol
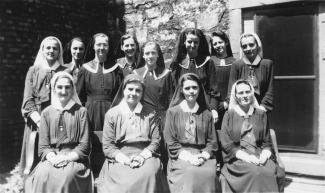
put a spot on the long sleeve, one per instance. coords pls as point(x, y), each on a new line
point(212, 140)
point(83, 148)
point(233, 77)
point(170, 135)
point(169, 88)
point(81, 86)
point(44, 136)
point(155, 134)
point(267, 141)
point(229, 146)
point(28, 105)
point(109, 137)
point(267, 100)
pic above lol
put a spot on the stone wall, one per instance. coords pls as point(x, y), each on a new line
point(162, 20)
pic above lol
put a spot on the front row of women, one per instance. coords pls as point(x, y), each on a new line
point(131, 140)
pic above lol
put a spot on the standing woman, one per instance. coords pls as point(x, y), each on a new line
point(129, 49)
point(37, 92)
point(98, 82)
point(63, 143)
point(74, 53)
point(221, 55)
point(246, 143)
point(254, 68)
point(192, 56)
point(131, 142)
point(191, 139)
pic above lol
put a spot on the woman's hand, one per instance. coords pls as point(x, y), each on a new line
point(215, 115)
point(254, 160)
point(196, 160)
point(123, 159)
point(264, 156)
point(58, 161)
point(137, 161)
point(225, 105)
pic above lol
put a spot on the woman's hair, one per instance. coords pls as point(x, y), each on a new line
point(243, 82)
point(224, 37)
point(181, 52)
point(160, 60)
point(67, 57)
point(188, 77)
point(119, 52)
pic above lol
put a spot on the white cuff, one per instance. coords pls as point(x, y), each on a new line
point(35, 116)
point(267, 153)
point(146, 154)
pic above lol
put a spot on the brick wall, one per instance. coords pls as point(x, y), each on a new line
point(23, 25)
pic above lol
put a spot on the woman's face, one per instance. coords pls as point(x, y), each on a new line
point(190, 90)
point(132, 93)
point(192, 43)
point(249, 47)
point(219, 45)
point(51, 50)
point(244, 95)
point(150, 55)
point(63, 89)
point(101, 46)
point(77, 50)
point(129, 47)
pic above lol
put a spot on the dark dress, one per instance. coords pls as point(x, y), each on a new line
point(263, 73)
point(97, 88)
point(184, 177)
point(120, 136)
point(125, 67)
point(73, 70)
point(75, 176)
point(202, 66)
point(219, 86)
point(250, 134)
point(37, 96)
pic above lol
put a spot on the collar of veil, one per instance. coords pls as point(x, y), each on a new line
point(55, 102)
point(129, 78)
point(233, 104)
point(260, 49)
point(41, 61)
point(178, 96)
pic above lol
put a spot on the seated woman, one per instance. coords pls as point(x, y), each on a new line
point(63, 143)
point(191, 139)
point(246, 143)
point(130, 143)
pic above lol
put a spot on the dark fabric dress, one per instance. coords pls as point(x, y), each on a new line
point(75, 176)
point(263, 72)
point(237, 133)
point(73, 70)
point(97, 89)
point(219, 86)
point(37, 96)
point(118, 137)
point(184, 177)
point(125, 67)
point(202, 66)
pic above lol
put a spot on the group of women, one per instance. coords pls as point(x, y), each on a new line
point(154, 119)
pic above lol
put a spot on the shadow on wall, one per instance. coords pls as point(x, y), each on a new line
point(23, 25)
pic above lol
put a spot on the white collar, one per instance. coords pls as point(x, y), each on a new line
point(242, 113)
point(94, 70)
point(184, 106)
point(165, 72)
point(254, 63)
point(68, 106)
point(125, 109)
point(187, 62)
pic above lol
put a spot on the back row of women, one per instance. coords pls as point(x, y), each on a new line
point(128, 99)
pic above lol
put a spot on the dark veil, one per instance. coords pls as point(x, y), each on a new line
point(179, 96)
point(67, 53)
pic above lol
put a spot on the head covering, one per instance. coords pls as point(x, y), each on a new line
point(224, 37)
point(258, 42)
point(233, 104)
point(67, 57)
point(54, 98)
point(179, 96)
point(181, 52)
point(160, 60)
point(41, 61)
point(129, 78)
point(119, 53)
